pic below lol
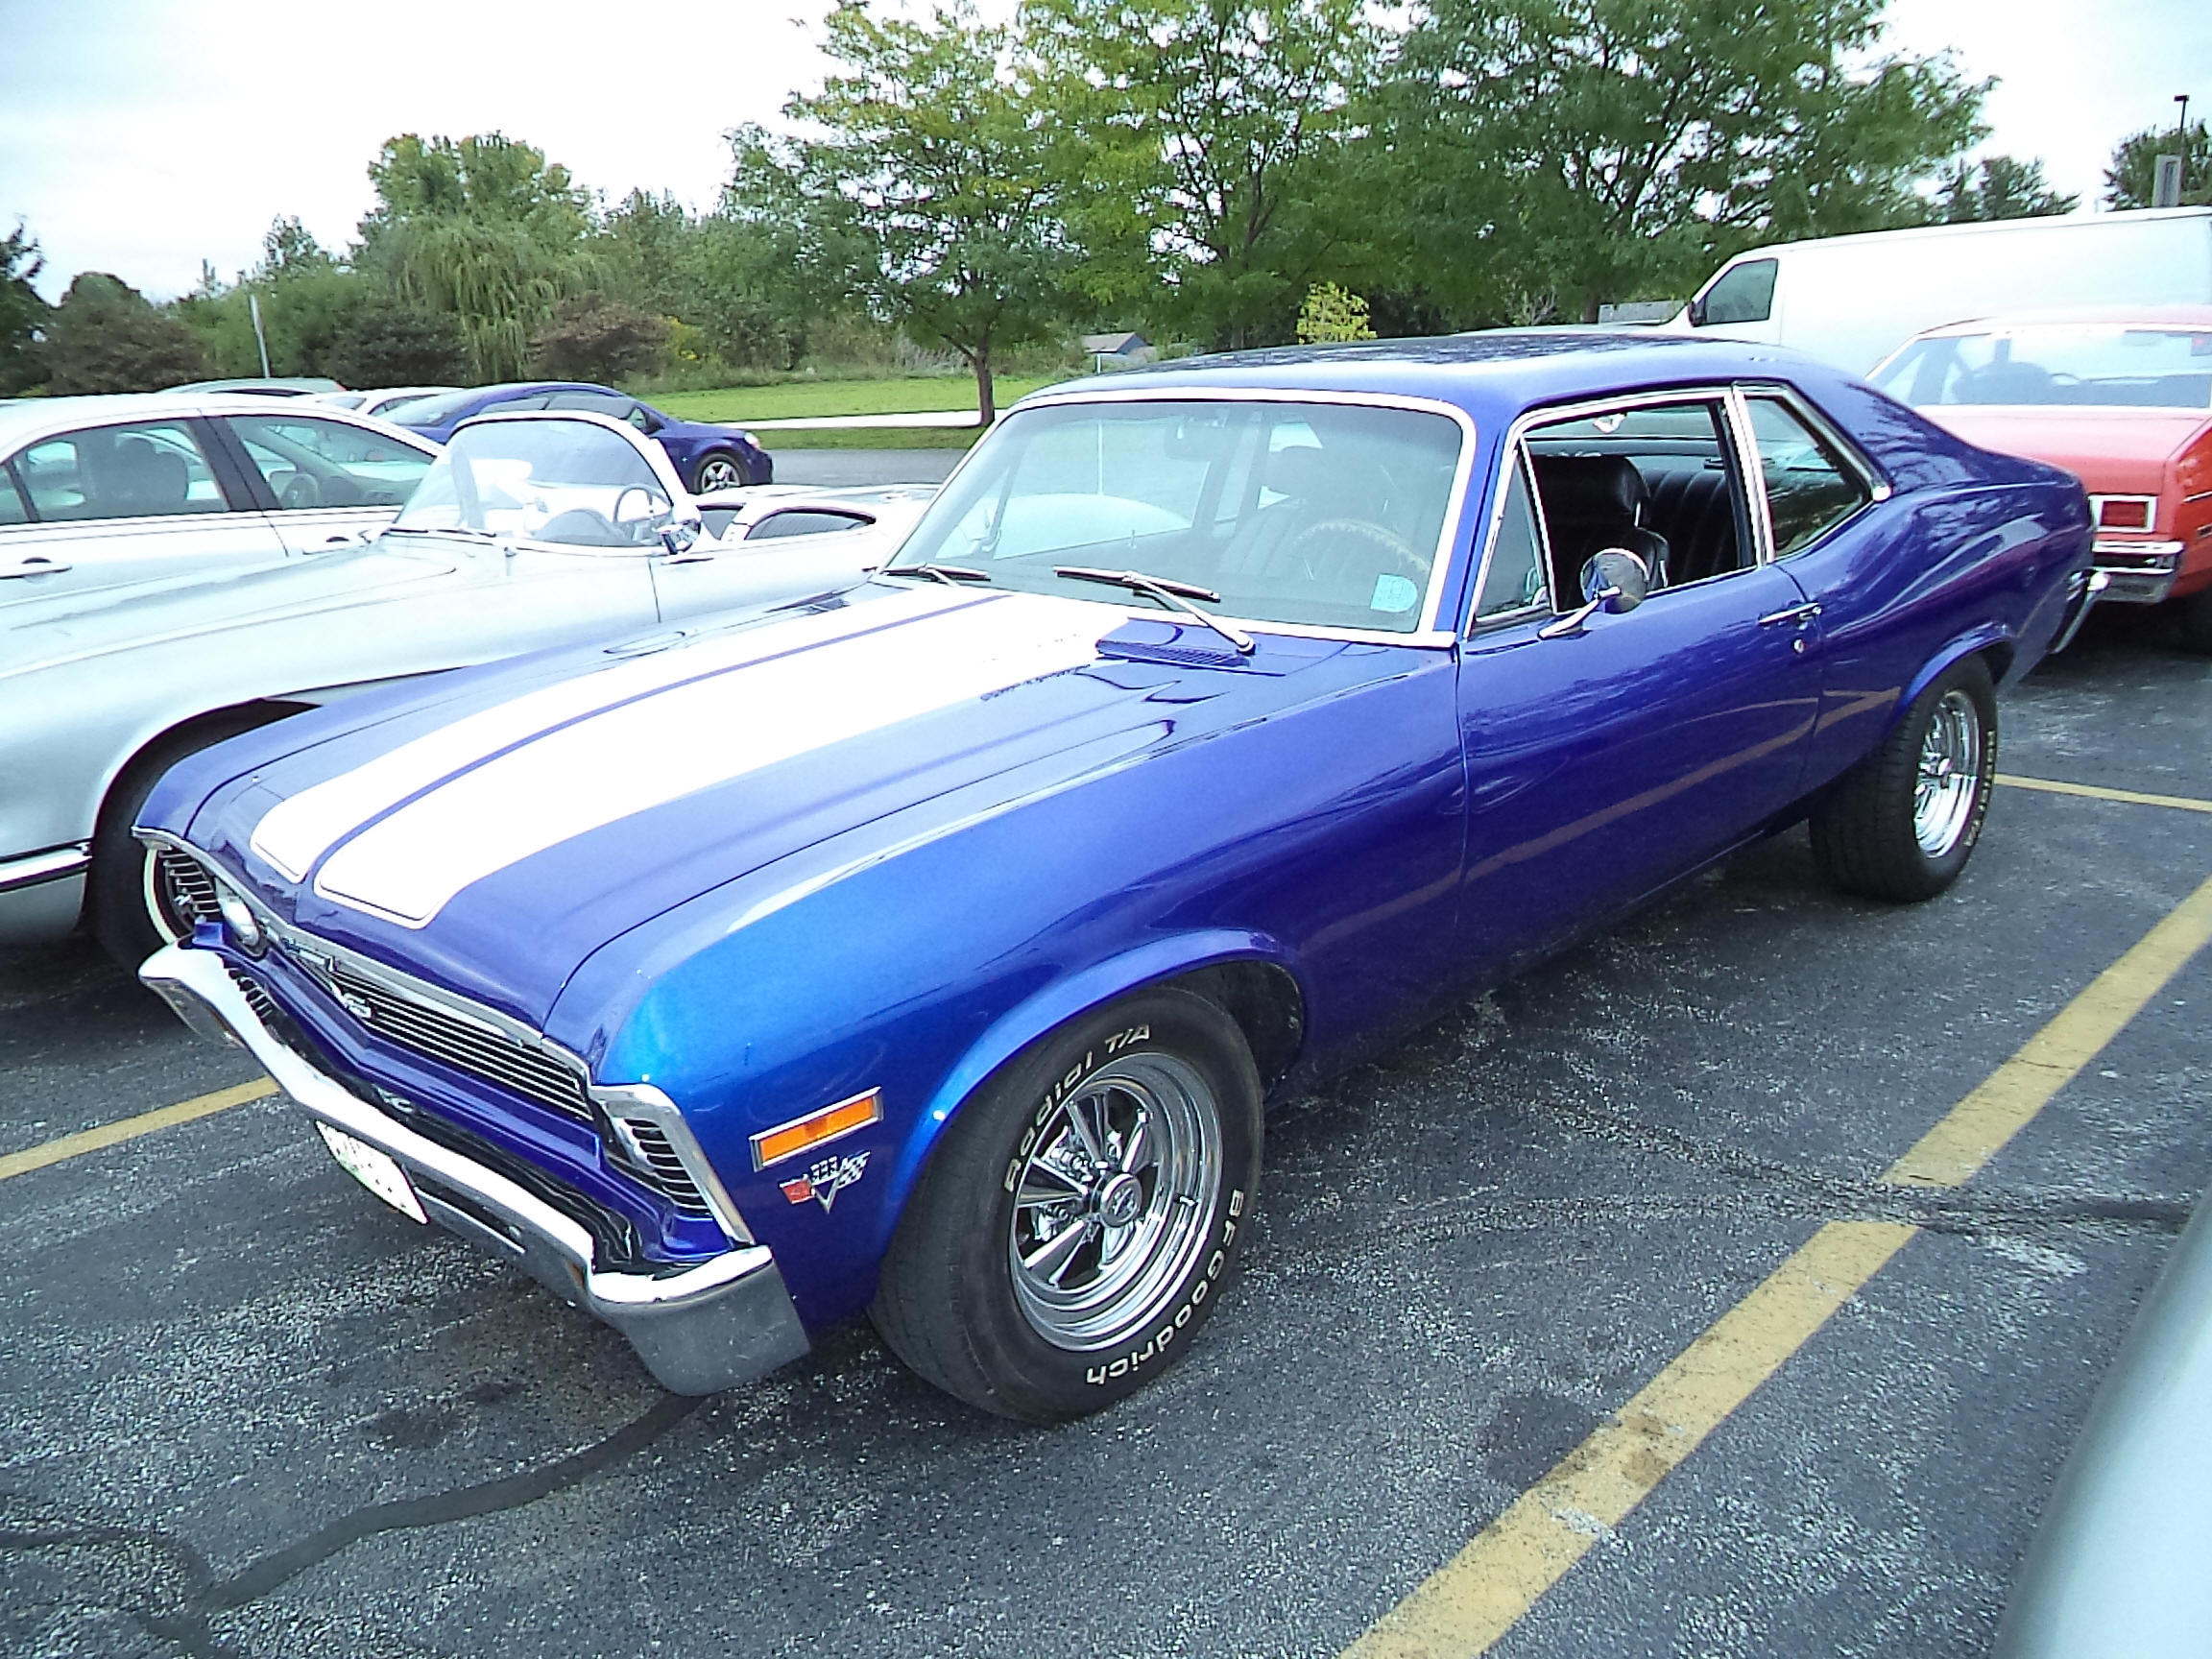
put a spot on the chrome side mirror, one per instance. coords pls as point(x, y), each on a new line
point(1615, 581)
point(678, 536)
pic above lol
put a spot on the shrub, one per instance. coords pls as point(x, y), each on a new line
point(387, 345)
point(594, 338)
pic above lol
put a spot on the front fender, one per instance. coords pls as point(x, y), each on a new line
point(1047, 1010)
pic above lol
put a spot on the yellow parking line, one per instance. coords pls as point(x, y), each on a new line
point(1482, 1592)
point(1972, 1131)
point(2134, 797)
point(131, 1129)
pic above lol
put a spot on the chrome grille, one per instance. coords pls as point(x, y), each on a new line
point(187, 884)
point(649, 1155)
point(256, 999)
point(437, 1034)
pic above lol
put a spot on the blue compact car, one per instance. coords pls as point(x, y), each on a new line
point(931, 947)
point(706, 458)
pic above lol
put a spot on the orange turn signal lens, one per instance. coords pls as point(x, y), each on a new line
point(2123, 513)
point(801, 1134)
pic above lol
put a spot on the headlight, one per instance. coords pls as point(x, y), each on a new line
point(238, 916)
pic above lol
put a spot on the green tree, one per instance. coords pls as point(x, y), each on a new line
point(2132, 178)
point(1203, 140)
point(483, 229)
point(106, 337)
point(594, 338)
point(485, 177)
point(930, 194)
point(2000, 188)
point(23, 314)
point(1561, 152)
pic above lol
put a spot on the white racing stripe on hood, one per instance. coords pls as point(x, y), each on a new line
point(295, 833)
point(608, 766)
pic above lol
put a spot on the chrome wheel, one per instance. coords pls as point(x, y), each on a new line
point(1950, 778)
point(1114, 1201)
point(718, 472)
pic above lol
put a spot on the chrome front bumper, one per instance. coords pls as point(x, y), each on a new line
point(698, 1329)
point(2137, 572)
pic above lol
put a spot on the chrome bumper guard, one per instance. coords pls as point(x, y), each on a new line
point(2089, 588)
point(698, 1329)
point(2137, 572)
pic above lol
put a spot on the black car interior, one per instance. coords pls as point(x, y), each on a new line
point(1660, 484)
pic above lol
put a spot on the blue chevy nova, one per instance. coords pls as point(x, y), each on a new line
point(930, 948)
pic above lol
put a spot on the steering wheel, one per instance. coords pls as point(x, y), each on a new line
point(1323, 551)
point(300, 491)
point(638, 525)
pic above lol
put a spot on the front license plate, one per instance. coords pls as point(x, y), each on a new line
point(376, 1171)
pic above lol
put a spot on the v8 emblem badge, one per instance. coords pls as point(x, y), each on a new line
point(828, 1178)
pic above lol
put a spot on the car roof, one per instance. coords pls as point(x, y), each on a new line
point(1482, 374)
point(2138, 316)
point(28, 418)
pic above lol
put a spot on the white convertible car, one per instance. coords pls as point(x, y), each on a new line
point(123, 651)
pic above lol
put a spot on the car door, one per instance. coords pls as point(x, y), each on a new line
point(325, 484)
point(1608, 754)
point(126, 503)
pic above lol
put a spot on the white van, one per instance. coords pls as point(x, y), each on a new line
point(1851, 300)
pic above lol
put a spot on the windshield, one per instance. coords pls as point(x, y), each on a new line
point(568, 482)
point(1321, 513)
point(2098, 364)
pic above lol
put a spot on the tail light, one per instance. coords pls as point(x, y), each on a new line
point(2123, 512)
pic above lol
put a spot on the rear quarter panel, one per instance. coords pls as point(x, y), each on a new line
point(1973, 551)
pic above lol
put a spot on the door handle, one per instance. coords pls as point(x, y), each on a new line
point(32, 567)
point(1797, 613)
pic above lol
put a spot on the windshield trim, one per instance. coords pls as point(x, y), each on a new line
point(1427, 633)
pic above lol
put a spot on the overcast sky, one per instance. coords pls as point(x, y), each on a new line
point(141, 136)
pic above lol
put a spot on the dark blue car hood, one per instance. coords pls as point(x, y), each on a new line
point(494, 839)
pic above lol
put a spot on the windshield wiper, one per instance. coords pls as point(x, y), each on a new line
point(1175, 595)
point(951, 575)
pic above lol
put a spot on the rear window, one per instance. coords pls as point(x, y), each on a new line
point(809, 522)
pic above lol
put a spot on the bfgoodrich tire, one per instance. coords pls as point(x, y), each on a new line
point(1903, 823)
point(1076, 1228)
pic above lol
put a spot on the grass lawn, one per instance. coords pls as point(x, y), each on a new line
point(792, 399)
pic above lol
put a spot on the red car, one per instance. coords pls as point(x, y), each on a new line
point(2121, 398)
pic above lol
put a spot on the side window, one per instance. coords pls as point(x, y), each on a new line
point(11, 509)
point(1659, 481)
point(1743, 295)
point(308, 463)
point(147, 470)
point(1809, 489)
point(804, 522)
point(1514, 580)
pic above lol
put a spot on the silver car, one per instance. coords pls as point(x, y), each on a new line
point(106, 492)
point(530, 530)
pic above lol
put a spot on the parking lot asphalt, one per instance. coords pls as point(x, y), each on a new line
point(249, 1412)
point(851, 469)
